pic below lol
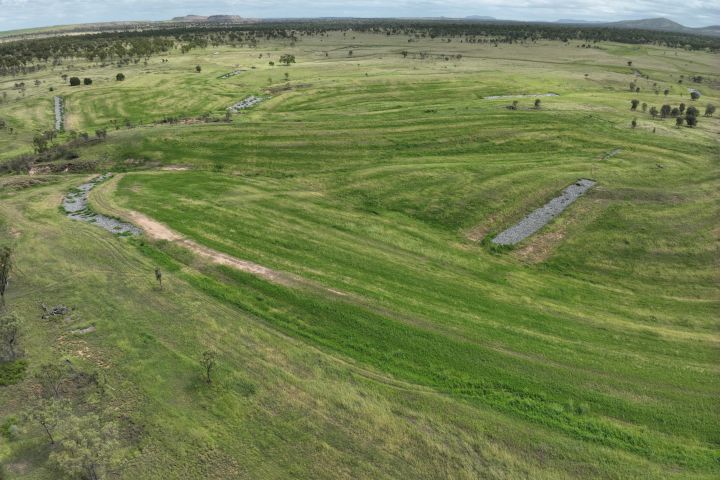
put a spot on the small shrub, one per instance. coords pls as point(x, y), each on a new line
point(74, 81)
point(87, 81)
point(12, 372)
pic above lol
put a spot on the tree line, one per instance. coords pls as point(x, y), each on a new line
point(28, 55)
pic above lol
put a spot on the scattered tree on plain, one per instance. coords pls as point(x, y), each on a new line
point(74, 81)
point(691, 120)
point(634, 104)
point(644, 107)
point(198, 68)
point(537, 104)
point(87, 81)
point(89, 448)
point(48, 413)
point(120, 77)
point(681, 107)
point(51, 377)
point(709, 110)
point(693, 111)
point(158, 276)
point(5, 269)
point(10, 331)
point(286, 59)
point(694, 95)
point(208, 362)
point(653, 111)
point(633, 124)
point(679, 122)
point(665, 111)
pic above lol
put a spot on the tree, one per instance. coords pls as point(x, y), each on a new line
point(51, 377)
point(6, 266)
point(120, 77)
point(89, 447)
point(49, 413)
point(675, 112)
point(537, 104)
point(653, 111)
point(709, 110)
point(644, 107)
point(692, 111)
point(679, 122)
point(404, 53)
point(666, 92)
point(74, 81)
point(632, 86)
point(208, 362)
point(665, 111)
point(198, 68)
point(87, 81)
point(101, 133)
point(633, 124)
point(629, 63)
point(681, 107)
point(694, 95)
point(286, 59)
point(634, 104)
point(10, 330)
point(158, 276)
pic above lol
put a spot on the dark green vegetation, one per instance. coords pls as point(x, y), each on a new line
point(34, 54)
point(409, 347)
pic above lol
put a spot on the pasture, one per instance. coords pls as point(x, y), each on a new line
point(410, 346)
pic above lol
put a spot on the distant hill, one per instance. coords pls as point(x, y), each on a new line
point(212, 19)
point(658, 24)
point(575, 22)
point(652, 24)
point(479, 17)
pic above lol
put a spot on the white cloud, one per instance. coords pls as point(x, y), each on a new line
point(28, 13)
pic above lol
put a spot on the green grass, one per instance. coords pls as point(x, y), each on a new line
point(587, 351)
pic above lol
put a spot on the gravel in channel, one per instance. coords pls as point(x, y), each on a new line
point(59, 123)
point(250, 101)
point(540, 217)
point(75, 205)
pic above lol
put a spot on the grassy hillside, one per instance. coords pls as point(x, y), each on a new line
point(410, 347)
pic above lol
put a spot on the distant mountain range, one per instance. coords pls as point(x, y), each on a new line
point(658, 24)
point(661, 24)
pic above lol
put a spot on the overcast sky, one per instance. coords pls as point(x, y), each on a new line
point(34, 13)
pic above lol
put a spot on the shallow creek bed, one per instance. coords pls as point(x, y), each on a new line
point(76, 207)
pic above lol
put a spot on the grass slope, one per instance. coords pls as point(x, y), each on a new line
point(589, 351)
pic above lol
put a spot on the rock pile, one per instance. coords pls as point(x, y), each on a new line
point(59, 114)
point(250, 101)
point(540, 217)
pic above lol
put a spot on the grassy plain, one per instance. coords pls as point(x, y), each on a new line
point(588, 351)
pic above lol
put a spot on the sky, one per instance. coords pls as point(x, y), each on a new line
point(15, 14)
